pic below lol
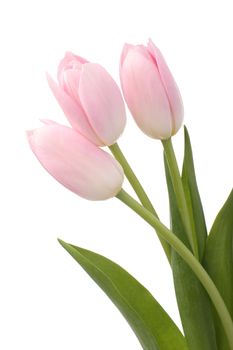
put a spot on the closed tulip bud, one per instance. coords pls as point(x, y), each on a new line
point(150, 91)
point(75, 162)
point(90, 99)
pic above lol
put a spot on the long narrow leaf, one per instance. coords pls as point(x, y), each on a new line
point(193, 301)
point(192, 196)
point(218, 261)
point(151, 324)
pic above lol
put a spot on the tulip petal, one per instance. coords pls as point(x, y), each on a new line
point(73, 112)
point(124, 53)
point(170, 86)
point(75, 162)
point(71, 83)
point(145, 94)
point(48, 122)
point(70, 61)
point(102, 102)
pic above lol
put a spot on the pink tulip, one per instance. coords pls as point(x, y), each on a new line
point(150, 91)
point(90, 99)
point(75, 162)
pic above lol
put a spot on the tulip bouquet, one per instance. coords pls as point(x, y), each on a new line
point(201, 262)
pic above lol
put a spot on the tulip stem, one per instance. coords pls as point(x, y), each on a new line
point(136, 185)
point(188, 257)
point(179, 192)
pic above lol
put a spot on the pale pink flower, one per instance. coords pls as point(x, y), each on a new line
point(150, 91)
point(90, 99)
point(76, 162)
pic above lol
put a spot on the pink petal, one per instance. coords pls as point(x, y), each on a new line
point(102, 102)
point(125, 51)
point(69, 61)
point(170, 86)
point(71, 83)
point(76, 163)
point(145, 94)
point(48, 122)
point(74, 112)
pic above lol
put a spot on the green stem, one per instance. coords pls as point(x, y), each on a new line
point(133, 180)
point(179, 192)
point(188, 257)
point(142, 196)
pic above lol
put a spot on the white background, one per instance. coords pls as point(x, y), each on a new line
point(46, 300)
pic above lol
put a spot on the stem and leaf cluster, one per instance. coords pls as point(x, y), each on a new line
point(184, 191)
point(202, 264)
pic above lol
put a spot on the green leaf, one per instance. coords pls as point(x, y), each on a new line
point(193, 302)
point(151, 324)
point(218, 261)
point(192, 196)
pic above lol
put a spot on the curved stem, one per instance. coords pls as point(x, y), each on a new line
point(133, 180)
point(179, 192)
point(189, 258)
point(142, 196)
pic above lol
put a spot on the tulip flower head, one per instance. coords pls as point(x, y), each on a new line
point(75, 162)
point(150, 91)
point(90, 99)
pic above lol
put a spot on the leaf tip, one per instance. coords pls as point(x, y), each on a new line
point(62, 243)
point(186, 134)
